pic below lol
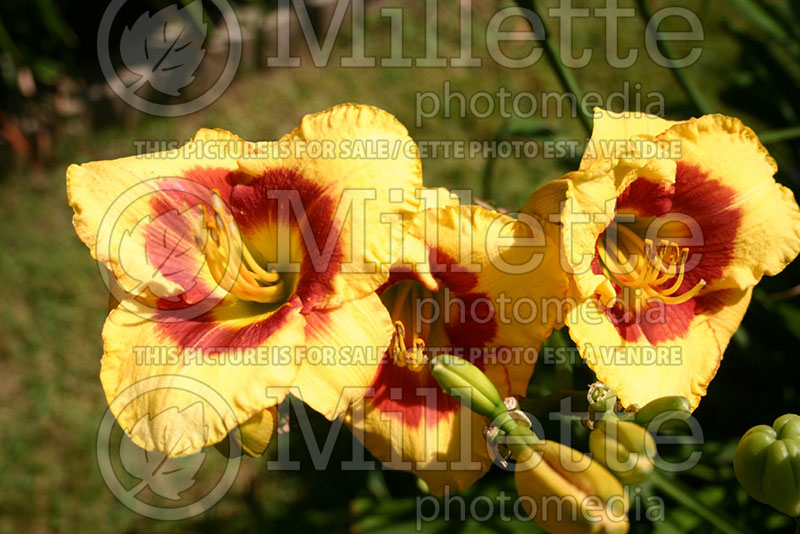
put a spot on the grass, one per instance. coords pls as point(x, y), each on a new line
point(54, 301)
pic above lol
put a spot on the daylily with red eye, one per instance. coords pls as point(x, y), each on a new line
point(492, 295)
point(235, 260)
point(665, 229)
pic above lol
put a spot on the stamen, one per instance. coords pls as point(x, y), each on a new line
point(398, 344)
point(414, 358)
point(419, 360)
point(250, 281)
point(664, 264)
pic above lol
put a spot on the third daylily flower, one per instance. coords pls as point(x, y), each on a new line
point(665, 229)
point(478, 297)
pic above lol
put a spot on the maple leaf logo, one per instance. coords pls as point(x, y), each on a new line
point(166, 48)
point(169, 240)
point(165, 475)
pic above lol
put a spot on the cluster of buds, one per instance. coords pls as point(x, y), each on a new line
point(564, 491)
point(621, 440)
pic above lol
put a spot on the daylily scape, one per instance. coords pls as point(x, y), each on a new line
point(320, 265)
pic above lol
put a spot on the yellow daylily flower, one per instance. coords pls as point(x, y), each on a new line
point(479, 297)
point(232, 262)
point(665, 229)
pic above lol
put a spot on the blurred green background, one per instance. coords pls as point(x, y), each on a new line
point(56, 109)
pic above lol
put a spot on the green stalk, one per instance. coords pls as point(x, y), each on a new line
point(761, 18)
point(684, 495)
point(564, 75)
point(665, 47)
point(776, 136)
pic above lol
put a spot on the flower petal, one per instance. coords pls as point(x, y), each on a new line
point(137, 214)
point(610, 130)
point(256, 433)
point(253, 436)
point(367, 175)
point(734, 184)
point(674, 350)
point(410, 424)
point(225, 359)
point(343, 350)
point(505, 285)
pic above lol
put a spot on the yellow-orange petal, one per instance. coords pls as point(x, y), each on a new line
point(344, 347)
point(178, 386)
point(668, 350)
point(369, 176)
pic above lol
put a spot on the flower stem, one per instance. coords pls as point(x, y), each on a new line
point(564, 75)
point(684, 495)
point(695, 95)
point(776, 136)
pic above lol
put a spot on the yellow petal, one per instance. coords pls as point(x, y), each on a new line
point(610, 130)
point(411, 425)
point(369, 177)
point(156, 374)
point(675, 351)
point(344, 347)
point(253, 436)
point(734, 186)
point(118, 202)
point(582, 204)
point(505, 276)
point(256, 433)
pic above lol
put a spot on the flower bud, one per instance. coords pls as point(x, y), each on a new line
point(663, 413)
point(601, 397)
point(602, 402)
point(624, 448)
point(566, 492)
point(767, 464)
point(462, 380)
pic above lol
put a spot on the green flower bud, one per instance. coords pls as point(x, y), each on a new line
point(663, 413)
point(462, 380)
point(767, 464)
point(624, 448)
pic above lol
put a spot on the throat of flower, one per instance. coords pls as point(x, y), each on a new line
point(660, 276)
point(230, 261)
